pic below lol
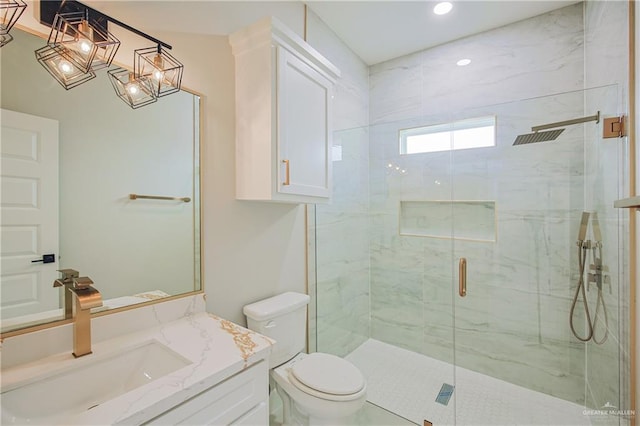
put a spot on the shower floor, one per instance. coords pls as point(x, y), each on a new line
point(407, 383)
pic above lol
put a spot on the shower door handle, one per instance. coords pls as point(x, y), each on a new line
point(462, 277)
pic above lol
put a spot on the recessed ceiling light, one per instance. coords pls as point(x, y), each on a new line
point(443, 8)
point(463, 62)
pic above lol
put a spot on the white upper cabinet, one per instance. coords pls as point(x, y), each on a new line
point(284, 91)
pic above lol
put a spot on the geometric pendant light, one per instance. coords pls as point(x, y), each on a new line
point(10, 11)
point(162, 69)
point(134, 91)
point(80, 43)
point(88, 46)
point(5, 38)
point(62, 69)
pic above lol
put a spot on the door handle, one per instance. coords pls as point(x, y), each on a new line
point(462, 277)
point(46, 258)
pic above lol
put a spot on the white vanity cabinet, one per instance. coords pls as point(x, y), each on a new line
point(174, 364)
point(284, 91)
point(241, 399)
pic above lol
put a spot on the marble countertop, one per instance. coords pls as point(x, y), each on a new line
point(22, 321)
point(216, 348)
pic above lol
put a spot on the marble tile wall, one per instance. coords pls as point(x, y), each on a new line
point(518, 312)
point(534, 57)
point(341, 282)
point(513, 324)
point(518, 286)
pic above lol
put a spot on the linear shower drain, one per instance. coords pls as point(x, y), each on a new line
point(445, 394)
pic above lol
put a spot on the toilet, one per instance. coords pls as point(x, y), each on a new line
point(317, 388)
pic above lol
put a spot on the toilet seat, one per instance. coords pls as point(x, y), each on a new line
point(328, 377)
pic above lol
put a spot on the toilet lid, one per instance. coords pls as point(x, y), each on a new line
point(328, 374)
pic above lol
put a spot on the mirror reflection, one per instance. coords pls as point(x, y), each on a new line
point(70, 160)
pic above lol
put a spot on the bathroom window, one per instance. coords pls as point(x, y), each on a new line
point(463, 134)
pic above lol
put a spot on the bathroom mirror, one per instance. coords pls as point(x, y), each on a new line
point(74, 202)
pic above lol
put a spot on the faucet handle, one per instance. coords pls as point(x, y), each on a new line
point(82, 282)
point(67, 277)
point(69, 273)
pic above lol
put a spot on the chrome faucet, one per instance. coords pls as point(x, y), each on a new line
point(85, 297)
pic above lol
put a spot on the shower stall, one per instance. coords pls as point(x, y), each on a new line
point(475, 280)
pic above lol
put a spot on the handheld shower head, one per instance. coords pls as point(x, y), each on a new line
point(584, 223)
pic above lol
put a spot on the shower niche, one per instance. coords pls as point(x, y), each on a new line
point(474, 220)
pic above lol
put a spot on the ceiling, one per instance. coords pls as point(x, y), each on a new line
point(375, 30)
point(382, 30)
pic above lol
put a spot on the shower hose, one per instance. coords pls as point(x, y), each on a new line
point(582, 260)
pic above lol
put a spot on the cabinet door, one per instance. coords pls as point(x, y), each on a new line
point(304, 100)
point(234, 399)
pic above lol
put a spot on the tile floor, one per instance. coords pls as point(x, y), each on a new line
point(407, 383)
point(402, 387)
point(370, 415)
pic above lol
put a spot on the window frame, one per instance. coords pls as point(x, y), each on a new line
point(448, 127)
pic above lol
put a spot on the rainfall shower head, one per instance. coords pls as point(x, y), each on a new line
point(537, 137)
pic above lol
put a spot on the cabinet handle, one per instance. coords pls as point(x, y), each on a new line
point(286, 172)
point(462, 277)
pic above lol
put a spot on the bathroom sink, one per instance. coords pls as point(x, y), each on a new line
point(89, 383)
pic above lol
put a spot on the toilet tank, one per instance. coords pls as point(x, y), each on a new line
point(282, 318)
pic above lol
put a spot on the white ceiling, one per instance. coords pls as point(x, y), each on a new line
point(382, 30)
point(375, 30)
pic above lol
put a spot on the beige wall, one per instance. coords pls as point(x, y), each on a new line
point(251, 250)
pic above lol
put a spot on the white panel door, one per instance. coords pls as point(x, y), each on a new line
point(304, 99)
point(29, 213)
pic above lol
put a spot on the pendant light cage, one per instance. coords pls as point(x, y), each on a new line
point(10, 11)
point(62, 69)
point(134, 91)
point(163, 70)
point(5, 39)
point(89, 46)
point(79, 44)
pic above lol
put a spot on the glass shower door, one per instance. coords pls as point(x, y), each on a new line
point(517, 209)
point(381, 272)
point(410, 298)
